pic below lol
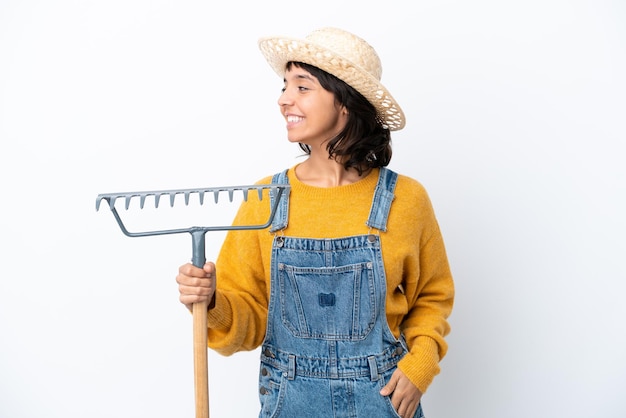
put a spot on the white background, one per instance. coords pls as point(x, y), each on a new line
point(516, 126)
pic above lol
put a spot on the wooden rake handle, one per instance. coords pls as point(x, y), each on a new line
point(200, 359)
point(200, 335)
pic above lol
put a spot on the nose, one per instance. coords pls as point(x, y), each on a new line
point(284, 98)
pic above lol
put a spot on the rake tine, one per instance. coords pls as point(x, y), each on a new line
point(201, 196)
point(127, 201)
point(216, 195)
point(187, 198)
point(260, 192)
point(98, 202)
point(172, 198)
point(245, 195)
point(157, 197)
point(230, 194)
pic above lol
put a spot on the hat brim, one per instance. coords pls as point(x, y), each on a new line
point(278, 51)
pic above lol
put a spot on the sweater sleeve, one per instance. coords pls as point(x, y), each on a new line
point(238, 320)
point(430, 296)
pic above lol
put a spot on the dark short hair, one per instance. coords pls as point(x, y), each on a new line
point(364, 142)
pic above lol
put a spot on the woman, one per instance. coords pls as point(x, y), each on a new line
point(349, 291)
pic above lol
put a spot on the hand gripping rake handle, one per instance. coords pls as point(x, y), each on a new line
point(200, 328)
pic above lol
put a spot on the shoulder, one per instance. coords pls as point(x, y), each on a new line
point(408, 186)
point(411, 194)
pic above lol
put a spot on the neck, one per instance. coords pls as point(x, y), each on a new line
point(320, 171)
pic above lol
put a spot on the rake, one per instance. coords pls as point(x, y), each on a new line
point(200, 330)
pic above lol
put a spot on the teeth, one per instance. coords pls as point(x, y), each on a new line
point(291, 118)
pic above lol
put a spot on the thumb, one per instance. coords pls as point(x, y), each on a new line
point(390, 386)
point(209, 268)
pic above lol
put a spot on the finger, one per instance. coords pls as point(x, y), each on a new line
point(396, 401)
point(184, 280)
point(194, 289)
point(191, 270)
point(407, 410)
point(194, 294)
point(405, 402)
point(195, 286)
point(390, 386)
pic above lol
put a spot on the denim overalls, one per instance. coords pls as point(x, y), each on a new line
point(328, 349)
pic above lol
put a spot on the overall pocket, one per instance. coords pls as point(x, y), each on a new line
point(331, 303)
point(271, 390)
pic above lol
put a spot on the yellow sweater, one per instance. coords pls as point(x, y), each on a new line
point(420, 289)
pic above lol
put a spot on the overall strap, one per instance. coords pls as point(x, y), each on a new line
point(383, 196)
point(282, 211)
point(379, 212)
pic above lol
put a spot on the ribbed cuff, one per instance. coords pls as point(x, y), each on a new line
point(219, 317)
point(421, 364)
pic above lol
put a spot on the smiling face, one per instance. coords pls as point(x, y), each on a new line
point(313, 115)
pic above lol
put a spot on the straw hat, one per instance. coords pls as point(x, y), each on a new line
point(344, 55)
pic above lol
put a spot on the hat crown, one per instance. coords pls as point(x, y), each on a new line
point(350, 47)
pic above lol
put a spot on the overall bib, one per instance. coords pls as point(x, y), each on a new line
point(328, 348)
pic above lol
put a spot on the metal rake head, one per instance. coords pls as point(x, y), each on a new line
point(111, 198)
point(276, 190)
